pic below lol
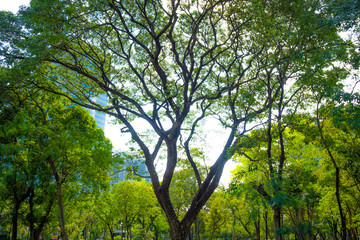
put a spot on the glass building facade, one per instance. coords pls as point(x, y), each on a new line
point(100, 117)
point(125, 172)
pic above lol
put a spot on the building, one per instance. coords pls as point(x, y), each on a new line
point(132, 169)
point(99, 117)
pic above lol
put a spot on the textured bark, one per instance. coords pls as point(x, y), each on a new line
point(179, 232)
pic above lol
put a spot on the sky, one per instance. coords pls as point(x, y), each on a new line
point(12, 5)
point(119, 140)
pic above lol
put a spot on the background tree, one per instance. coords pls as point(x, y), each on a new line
point(41, 137)
point(136, 214)
point(217, 216)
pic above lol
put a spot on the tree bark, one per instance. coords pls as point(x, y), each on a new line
point(233, 229)
point(15, 219)
point(17, 203)
point(257, 228)
point(60, 199)
point(265, 216)
point(179, 232)
point(277, 222)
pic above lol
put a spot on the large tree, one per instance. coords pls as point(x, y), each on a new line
point(171, 64)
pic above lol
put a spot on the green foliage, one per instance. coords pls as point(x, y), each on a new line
point(36, 126)
point(173, 64)
point(130, 206)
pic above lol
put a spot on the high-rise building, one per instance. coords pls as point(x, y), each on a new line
point(131, 169)
point(131, 166)
point(100, 117)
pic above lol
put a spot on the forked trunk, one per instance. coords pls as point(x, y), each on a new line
point(179, 232)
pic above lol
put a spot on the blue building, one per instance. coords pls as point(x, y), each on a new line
point(133, 166)
point(132, 169)
point(100, 117)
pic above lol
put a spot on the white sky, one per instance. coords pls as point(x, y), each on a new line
point(119, 139)
point(12, 5)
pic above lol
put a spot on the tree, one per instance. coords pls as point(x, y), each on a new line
point(338, 140)
point(217, 217)
point(137, 212)
point(170, 64)
point(43, 138)
point(184, 186)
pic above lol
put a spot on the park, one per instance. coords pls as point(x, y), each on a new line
point(273, 84)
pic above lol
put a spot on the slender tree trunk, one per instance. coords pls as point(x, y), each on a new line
point(15, 216)
point(61, 211)
point(233, 229)
point(60, 199)
point(257, 229)
point(337, 176)
point(17, 203)
point(266, 225)
point(277, 222)
point(342, 216)
point(111, 232)
point(32, 217)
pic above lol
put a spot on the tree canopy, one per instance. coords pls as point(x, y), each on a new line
point(173, 64)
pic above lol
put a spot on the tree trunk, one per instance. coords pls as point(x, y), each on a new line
point(111, 232)
point(266, 225)
point(60, 202)
point(342, 216)
point(277, 222)
point(61, 211)
point(233, 229)
point(337, 180)
point(32, 217)
point(15, 219)
point(179, 232)
point(196, 225)
point(257, 229)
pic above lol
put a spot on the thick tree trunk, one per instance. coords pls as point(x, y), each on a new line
point(277, 222)
point(179, 232)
